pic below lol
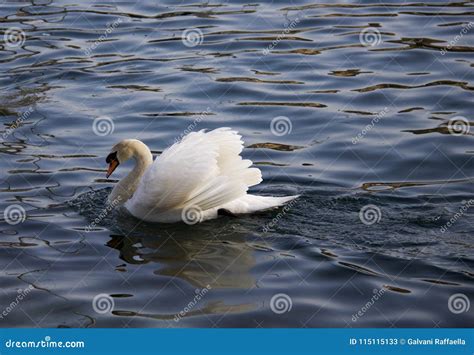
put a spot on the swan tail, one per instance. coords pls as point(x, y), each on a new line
point(254, 203)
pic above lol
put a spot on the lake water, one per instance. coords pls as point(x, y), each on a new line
point(363, 108)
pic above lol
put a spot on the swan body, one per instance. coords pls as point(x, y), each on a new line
point(191, 181)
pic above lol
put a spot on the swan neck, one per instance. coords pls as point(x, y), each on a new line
point(143, 159)
point(126, 187)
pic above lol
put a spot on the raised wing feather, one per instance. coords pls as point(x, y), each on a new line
point(204, 170)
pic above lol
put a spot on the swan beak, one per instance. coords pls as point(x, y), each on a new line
point(113, 163)
point(112, 166)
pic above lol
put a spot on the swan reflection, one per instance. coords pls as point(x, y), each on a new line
point(195, 254)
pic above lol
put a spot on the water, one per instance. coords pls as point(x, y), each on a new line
point(370, 126)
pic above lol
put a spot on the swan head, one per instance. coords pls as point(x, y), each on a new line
point(123, 151)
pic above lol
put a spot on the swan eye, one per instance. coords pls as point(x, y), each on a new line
point(111, 157)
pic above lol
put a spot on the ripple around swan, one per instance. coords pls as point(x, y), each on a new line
point(371, 124)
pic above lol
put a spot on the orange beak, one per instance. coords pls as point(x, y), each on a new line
point(112, 166)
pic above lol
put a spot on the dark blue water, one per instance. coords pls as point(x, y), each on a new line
point(371, 105)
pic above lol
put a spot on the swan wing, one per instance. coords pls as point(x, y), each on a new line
point(204, 170)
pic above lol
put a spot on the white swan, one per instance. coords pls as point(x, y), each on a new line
point(191, 181)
